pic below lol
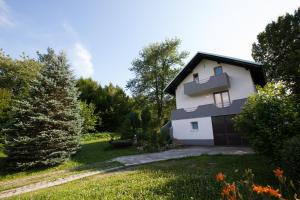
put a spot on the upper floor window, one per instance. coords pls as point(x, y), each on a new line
point(222, 99)
point(196, 78)
point(218, 70)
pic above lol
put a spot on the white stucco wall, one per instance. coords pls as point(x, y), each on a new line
point(241, 84)
point(182, 129)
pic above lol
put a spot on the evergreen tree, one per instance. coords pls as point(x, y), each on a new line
point(47, 125)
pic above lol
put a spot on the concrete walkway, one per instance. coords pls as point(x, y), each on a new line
point(181, 153)
point(132, 161)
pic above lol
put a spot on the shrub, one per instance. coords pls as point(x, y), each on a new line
point(290, 157)
point(130, 126)
point(90, 119)
point(268, 119)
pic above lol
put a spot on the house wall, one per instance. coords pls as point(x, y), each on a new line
point(182, 129)
point(241, 84)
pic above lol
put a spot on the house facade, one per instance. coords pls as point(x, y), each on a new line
point(210, 90)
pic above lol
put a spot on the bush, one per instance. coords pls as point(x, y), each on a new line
point(290, 157)
point(268, 119)
point(90, 119)
point(130, 126)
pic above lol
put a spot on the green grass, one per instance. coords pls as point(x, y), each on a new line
point(189, 178)
point(95, 150)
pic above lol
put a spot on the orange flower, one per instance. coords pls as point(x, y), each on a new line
point(228, 189)
point(220, 177)
point(278, 172)
point(266, 190)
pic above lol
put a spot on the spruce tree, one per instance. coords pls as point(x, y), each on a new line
point(47, 123)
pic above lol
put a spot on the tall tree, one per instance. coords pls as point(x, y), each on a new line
point(278, 49)
point(111, 103)
point(156, 66)
point(89, 89)
point(47, 123)
point(115, 105)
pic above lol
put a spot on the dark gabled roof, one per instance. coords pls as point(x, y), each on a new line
point(256, 69)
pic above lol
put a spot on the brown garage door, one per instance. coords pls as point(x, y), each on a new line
point(224, 133)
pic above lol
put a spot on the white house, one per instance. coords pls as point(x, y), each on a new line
point(209, 91)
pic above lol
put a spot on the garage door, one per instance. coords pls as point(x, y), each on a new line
point(223, 130)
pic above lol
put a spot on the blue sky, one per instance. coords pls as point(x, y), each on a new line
point(101, 38)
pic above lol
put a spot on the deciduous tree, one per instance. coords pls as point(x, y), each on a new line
point(156, 66)
point(278, 49)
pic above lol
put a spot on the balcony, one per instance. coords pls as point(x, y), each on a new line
point(208, 110)
point(212, 84)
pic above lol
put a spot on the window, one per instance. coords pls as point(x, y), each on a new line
point(196, 78)
point(222, 99)
point(218, 70)
point(194, 125)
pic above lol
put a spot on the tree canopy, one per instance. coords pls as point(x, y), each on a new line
point(278, 49)
point(156, 65)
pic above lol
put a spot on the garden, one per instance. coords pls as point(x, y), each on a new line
point(54, 125)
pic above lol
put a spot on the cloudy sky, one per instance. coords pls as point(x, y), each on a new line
point(101, 38)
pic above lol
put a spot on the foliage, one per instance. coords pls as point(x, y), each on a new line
point(115, 106)
point(90, 119)
point(278, 49)
point(106, 136)
point(156, 66)
point(290, 157)
point(146, 118)
point(88, 89)
point(47, 123)
point(111, 103)
point(5, 100)
point(247, 189)
point(130, 125)
point(15, 75)
point(269, 118)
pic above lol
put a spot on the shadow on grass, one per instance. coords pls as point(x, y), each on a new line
point(92, 155)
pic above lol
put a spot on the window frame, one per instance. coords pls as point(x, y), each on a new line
point(217, 67)
point(221, 95)
point(194, 122)
point(196, 77)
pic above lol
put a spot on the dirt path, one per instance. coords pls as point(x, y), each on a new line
point(130, 161)
point(59, 181)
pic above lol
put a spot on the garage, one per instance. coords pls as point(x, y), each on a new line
point(223, 131)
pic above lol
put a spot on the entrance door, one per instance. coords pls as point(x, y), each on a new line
point(223, 130)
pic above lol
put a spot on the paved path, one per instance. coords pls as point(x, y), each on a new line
point(132, 161)
point(180, 153)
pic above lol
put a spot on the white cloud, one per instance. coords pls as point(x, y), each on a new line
point(5, 19)
point(81, 60)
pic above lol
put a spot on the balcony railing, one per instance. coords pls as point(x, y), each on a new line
point(227, 108)
point(211, 84)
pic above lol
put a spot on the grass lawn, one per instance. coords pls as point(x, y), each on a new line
point(189, 178)
point(95, 149)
